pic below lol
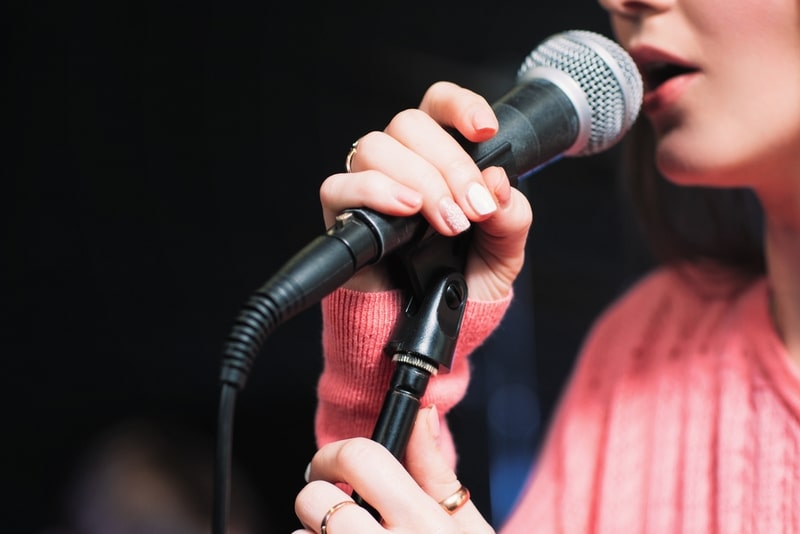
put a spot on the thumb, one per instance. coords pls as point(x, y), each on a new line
point(424, 457)
point(430, 468)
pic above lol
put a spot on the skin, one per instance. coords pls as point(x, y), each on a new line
point(415, 164)
point(724, 124)
point(733, 119)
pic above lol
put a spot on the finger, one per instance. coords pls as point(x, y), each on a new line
point(417, 152)
point(430, 469)
point(420, 133)
point(465, 110)
point(406, 170)
point(380, 479)
point(322, 501)
point(500, 246)
point(367, 189)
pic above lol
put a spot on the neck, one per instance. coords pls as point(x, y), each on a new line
point(782, 240)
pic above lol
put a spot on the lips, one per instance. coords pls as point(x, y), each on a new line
point(665, 77)
point(658, 66)
point(656, 74)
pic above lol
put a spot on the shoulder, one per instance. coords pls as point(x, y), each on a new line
point(643, 297)
point(662, 308)
point(665, 312)
point(674, 292)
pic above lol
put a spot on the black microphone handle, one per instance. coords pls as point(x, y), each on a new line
point(537, 123)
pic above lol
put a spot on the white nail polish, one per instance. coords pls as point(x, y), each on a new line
point(480, 199)
point(307, 472)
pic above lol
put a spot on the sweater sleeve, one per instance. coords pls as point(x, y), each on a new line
point(356, 371)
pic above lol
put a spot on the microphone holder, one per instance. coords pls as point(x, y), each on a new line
point(425, 336)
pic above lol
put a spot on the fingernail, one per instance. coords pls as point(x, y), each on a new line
point(453, 215)
point(307, 473)
point(408, 197)
point(433, 422)
point(484, 120)
point(480, 199)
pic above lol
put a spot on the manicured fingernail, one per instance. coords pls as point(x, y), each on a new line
point(484, 120)
point(453, 215)
point(307, 472)
point(480, 199)
point(408, 197)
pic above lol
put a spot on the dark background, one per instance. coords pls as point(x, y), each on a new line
point(164, 160)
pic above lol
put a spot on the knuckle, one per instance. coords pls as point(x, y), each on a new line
point(407, 120)
point(462, 169)
point(438, 90)
point(366, 141)
point(354, 452)
point(329, 188)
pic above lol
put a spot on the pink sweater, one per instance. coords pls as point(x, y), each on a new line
point(682, 414)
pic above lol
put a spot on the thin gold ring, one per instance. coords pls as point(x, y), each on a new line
point(455, 501)
point(323, 527)
point(349, 159)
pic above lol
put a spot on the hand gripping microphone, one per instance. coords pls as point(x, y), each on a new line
point(577, 94)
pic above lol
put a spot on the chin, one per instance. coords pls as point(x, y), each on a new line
point(681, 169)
point(692, 156)
point(673, 164)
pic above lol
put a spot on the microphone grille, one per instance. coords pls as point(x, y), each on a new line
point(606, 74)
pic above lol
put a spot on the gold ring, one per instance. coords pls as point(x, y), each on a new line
point(323, 527)
point(455, 501)
point(349, 159)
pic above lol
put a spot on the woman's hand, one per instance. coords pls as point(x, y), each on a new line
point(415, 165)
point(408, 501)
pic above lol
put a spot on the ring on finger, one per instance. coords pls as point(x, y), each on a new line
point(323, 527)
point(348, 160)
point(455, 501)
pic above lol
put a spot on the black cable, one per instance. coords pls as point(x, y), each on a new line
point(323, 265)
point(359, 238)
point(222, 466)
point(257, 319)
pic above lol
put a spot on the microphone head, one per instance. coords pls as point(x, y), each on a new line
point(601, 80)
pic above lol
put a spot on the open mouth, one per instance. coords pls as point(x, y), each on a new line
point(656, 74)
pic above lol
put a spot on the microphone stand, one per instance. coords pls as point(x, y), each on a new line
point(422, 342)
point(425, 336)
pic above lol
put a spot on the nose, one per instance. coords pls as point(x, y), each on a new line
point(628, 17)
point(634, 9)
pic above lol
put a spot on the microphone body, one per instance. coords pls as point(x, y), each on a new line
point(577, 94)
point(537, 123)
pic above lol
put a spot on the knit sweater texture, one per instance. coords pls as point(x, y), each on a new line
point(682, 413)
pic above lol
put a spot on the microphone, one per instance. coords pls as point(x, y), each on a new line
point(577, 94)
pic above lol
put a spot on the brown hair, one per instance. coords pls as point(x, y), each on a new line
point(699, 225)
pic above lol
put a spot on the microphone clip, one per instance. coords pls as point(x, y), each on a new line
point(424, 338)
point(430, 321)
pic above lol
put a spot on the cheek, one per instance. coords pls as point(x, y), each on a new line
point(622, 29)
point(758, 112)
point(763, 29)
point(743, 18)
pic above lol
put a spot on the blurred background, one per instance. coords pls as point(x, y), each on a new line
point(163, 161)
